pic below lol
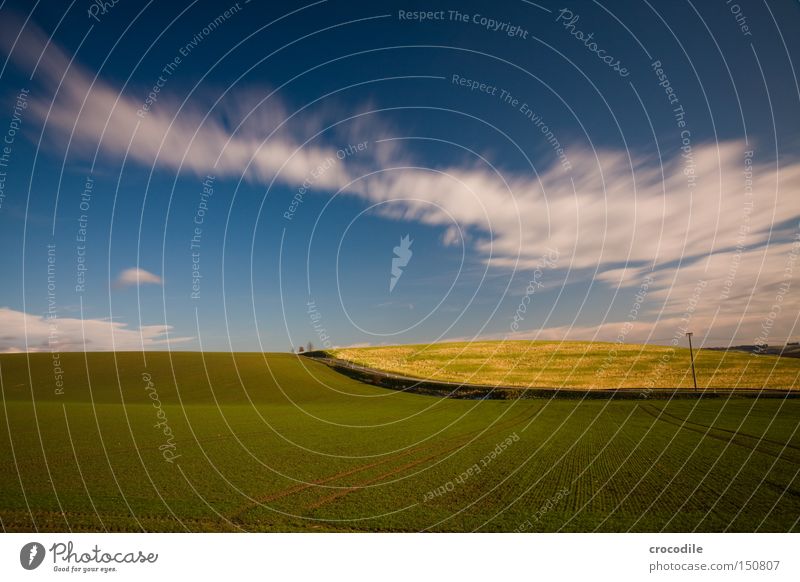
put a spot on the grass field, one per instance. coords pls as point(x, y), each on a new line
point(547, 364)
point(280, 443)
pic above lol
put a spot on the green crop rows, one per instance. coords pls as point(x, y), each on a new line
point(280, 443)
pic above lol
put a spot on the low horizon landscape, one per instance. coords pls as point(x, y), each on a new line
point(378, 267)
point(265, 442)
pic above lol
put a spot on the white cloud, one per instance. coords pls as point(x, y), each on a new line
point(136, 276)
point(736, 297)
point(92, 114)
point(27, 332)
point(618, 210)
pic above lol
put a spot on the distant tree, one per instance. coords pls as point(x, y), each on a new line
point(309, 347)
point(300, 350)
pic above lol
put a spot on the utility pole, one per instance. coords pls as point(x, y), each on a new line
point(691, 356)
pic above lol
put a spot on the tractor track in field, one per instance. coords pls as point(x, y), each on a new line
point(346, 491)
point(729, 431)
point(395, 471)
point(460, 441)
point(783, 489)
point(732, 437)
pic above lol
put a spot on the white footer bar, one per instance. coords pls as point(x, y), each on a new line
point(401, 557)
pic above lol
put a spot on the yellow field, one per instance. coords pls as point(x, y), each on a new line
point(578, 365)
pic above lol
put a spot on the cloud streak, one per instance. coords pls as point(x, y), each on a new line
point(90, 114)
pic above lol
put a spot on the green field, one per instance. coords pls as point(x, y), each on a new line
point(280, 443)
point(546, 364)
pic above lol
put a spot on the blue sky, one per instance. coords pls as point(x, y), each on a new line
point(626, 185)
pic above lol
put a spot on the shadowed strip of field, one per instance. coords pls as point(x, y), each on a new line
point(441, 449)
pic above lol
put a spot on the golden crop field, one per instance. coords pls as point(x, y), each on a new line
point(549, 364)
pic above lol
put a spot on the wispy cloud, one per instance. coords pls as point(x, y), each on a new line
point(27, 332)
point(91, 115)
point(135, 276)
